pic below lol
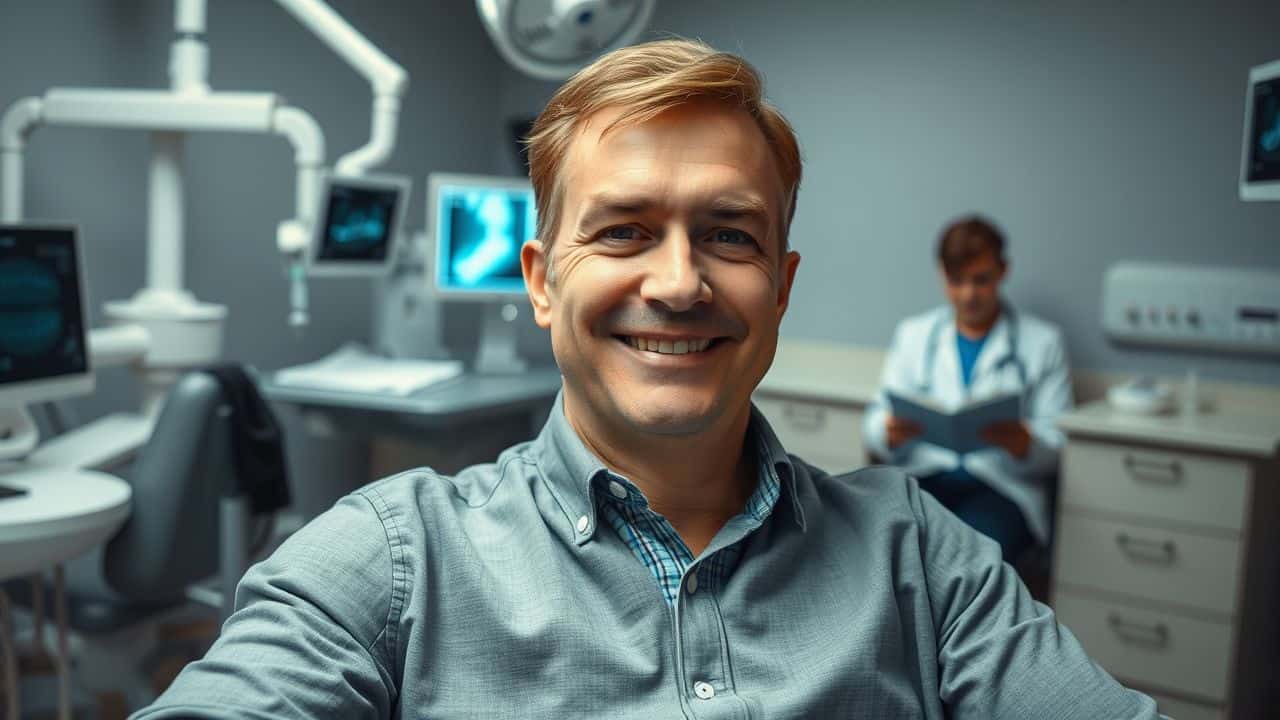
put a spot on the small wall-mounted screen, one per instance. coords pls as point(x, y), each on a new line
point(1264, 133)
point(358, 223)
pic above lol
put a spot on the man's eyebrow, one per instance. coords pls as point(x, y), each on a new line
point(734, 206)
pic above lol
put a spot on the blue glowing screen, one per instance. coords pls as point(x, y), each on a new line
point(41, 327)
point(358, 224)
point(1264, 136)
point(479, 231)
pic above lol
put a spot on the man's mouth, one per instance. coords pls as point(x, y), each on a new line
point(669, 346)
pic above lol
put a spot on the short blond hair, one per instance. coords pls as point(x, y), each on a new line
point(646, 80)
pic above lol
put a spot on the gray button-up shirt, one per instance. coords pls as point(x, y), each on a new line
point(498, 594)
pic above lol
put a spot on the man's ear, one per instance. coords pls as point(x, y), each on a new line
point(786, 278)
point(534, 263)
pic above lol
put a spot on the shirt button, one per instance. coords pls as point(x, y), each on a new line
point(692, 583)
point(704, 690)
point(583, 522)
point(617, 490)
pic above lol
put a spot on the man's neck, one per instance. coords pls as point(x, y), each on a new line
point(979, 330)
point(697, 482)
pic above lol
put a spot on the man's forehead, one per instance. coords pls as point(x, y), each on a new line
point(607, 162)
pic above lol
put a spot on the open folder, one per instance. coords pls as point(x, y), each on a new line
point(959, 428)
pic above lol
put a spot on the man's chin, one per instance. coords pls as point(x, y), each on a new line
point(670, 417)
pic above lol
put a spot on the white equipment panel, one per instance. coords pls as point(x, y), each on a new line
point(1227, 309)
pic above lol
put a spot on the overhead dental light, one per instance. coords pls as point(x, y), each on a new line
point(552, 39)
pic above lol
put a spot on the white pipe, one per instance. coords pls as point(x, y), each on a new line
point(388, 79)
point(307, 139)
point(165, 213)
point(118, 345)
point(189, 17)
point(382, 72)
point(19, 120)
point(189, 65)
point(386, 115)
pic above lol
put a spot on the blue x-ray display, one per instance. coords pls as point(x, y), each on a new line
point(1264, 136)
point(358, 224)
point(41, 323)
point(480, 232)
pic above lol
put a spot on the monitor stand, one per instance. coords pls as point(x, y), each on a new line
point(497, 354)
point(18, 433)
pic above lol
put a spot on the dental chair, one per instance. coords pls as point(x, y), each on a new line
point(190, 523)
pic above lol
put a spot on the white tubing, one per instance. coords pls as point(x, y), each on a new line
point(189, 17)
point(165, 213)
point(307, 139)
point(381, 71)
point(19, 120)
point(382, 139)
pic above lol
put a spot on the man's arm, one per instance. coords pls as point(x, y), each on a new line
point(1001, 654)
point(309, 637)
point(896, 375)
point(1050, 397)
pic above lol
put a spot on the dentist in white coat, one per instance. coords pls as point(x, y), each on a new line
point(979, 345)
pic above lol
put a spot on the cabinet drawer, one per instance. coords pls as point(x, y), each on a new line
point(1151, 648)
point(816, 431)
point(1182, 710)
point(1182, 487)
point(1174, 567)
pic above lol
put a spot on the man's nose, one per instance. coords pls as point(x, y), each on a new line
point(675, 277)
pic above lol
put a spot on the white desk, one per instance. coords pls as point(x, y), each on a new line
point(64, 513)
point(1165, 560)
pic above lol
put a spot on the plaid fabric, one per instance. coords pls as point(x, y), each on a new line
point(655, 542)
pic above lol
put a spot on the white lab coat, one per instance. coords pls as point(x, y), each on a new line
point(1043, 354)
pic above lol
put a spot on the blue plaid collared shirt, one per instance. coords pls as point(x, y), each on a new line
point(657, 544)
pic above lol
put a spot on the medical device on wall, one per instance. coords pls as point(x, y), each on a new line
point(1225, 309)
point(478, 224)
point(163, 329)
point(358, 225)
point(552, 39)
point(44, 353)
point(1260, 151)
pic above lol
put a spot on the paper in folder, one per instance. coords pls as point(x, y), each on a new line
point(960, 428)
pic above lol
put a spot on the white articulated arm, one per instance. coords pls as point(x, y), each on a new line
point(388, 79)
point(19, 120)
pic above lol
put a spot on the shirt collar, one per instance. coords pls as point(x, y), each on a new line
point(570, 469)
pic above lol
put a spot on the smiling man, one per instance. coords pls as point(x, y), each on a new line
point(654, 553)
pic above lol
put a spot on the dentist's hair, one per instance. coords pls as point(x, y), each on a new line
point(646, 80)
point(967, 239)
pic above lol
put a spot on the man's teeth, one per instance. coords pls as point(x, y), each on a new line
point(669, 347)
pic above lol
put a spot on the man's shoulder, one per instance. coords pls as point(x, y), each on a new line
point(871, 491)
point(919, 323)
point(427, 490)
point(1037, 329)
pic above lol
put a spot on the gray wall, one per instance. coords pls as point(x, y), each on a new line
point(239, 186)
point(1091, 131)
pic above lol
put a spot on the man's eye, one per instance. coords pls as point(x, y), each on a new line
point(622, 232)
point(729, 236)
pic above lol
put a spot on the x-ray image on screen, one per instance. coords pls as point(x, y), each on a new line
point(358, 224)
point(480, 232)
point(1264, 140)
point(41, 324)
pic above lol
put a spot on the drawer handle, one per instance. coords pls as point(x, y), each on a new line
point(1154, 635)
point(1168, 473)
point(1150, 550)
point(805, 417)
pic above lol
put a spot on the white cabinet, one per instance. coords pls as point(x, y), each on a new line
point(1165, 564)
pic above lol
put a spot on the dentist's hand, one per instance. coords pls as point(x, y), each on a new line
point(899, 430)
point(1010, 435)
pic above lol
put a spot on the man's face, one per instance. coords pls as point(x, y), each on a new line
point(667, 280)
point(974, 289)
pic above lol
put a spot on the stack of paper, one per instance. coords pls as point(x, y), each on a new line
point(352, 368)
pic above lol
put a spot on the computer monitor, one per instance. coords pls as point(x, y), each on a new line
point(359, 220)
point(478, 224)
point(1260, 155)
point(44, 351)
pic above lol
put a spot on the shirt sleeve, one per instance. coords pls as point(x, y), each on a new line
point(1001, 654)
point(310, 633)
point(895, 375)
point(1050, 397)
